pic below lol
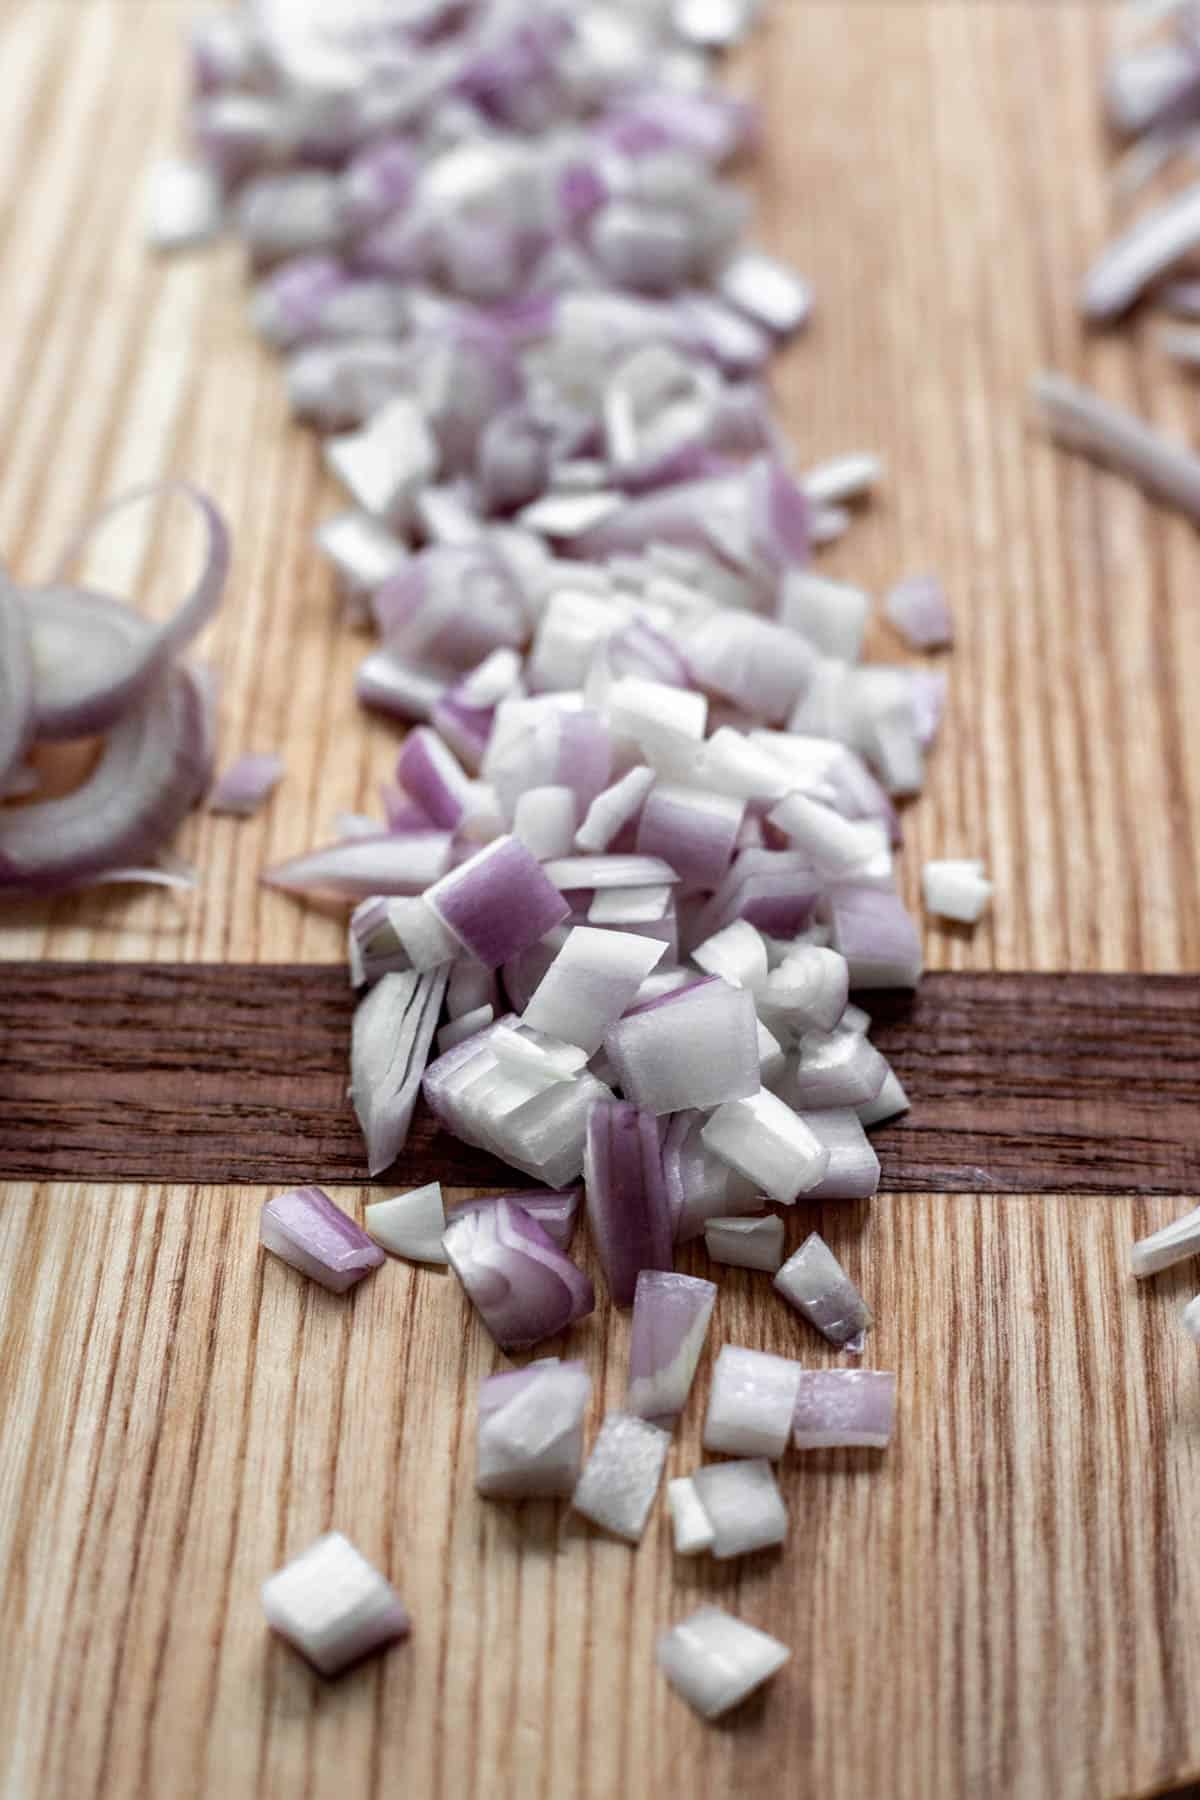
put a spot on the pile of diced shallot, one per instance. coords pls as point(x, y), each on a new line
point(638, 850)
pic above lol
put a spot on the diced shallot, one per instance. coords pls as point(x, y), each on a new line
point(715, 1661)
point(765, 1141)
point(689, 1521)
point(621, 1476)
point(410, 1225)
point(694, 1048)
point(306, 1230)
point(746, 1243)
point(530, 1443)
point(523, 1286)
point(844, 1407)
point(743, 1505)
point(751, 1403)
point(670, 1322)
point(815, 1283)
point(332, 1606)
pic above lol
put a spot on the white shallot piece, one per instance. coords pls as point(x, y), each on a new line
point(333, 1606)
point(956, 889)
point(1081, 420)
point(751, 1403)
point(246, 784)
point(716, 1661)
point(743, 1505)
point(530, 1443)
point(815, 1283)
point(621, 1476)
point(410, 1225)
point(746, 1243)
point(690, 1523)
point(1162, 1249)
point(1190, 1318)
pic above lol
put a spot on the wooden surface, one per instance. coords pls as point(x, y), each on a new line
point(1006, 1603)
point(217, 1072)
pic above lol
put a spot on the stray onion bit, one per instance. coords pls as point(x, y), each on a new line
point(1190, 1318)
point(746, 1243)
point(183, 204)
point(715, 1661)
point(815, 1283)
point(751, 1403)
point(626, 1196)
point(621, 1476)
point(695, 1048)
point(742, 1503)
point(769, 1144)
point(891, 1102)
point(307, 1231)
point(956, 889)
point(530, 1443)
point(393, 1030)
point(1174, 1243)
point(410, 1225)
point(332, 1606)
point(690, 1523)
point(521, 1284)
point(1079, 419)
point(670, 1323)
point(555, 1213)
point(246, 784)
point(917, 608)
point(844, 1407)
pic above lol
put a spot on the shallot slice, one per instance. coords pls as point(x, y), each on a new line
point(716, 1661)
point(333, 1606)
point(621, 1476)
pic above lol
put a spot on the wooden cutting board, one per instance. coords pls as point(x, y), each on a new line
point(1006, 1603)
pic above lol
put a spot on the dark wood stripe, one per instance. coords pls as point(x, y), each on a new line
point(217, 1073)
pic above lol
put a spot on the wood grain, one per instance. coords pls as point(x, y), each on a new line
point(1002, 1604)
point(210, 1072)
point(1006, 1605)
point(937, 170)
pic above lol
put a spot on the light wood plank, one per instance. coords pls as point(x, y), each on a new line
point(1001, 1604)
point(938, 172)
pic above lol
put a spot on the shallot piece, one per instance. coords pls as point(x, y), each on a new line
point(853, 1172)
point(917, 608)
point(333, 1606)
point(1153, 244)
point(695, 1048)
point(410, 1225)
point(690, 1523)
point(246, 784)
point(1190, 1318)
point(499, 902)
point(769, 1144)
point(522, 1285)
point(626, 1196)
point(956, 889)
point(851, 1407)
point(815, 1283)
point(555, 1213)
point(183, 204)
point(591, 981)
point(751, 1403)
point(1172, 1244)
point(530, 1443)
point(361, 868)
point(309, 1233)
point(1079, 419)
point(716, 1661)
point(700, 1186)
point(742, 1503)
point(670, 1323)
point(892, 1100)
point(390, 1039)
point(621, 1476)
point(746, 1243)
